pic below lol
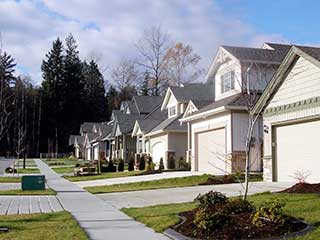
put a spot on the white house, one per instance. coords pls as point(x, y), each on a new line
point(217, 131)
point(291, 118)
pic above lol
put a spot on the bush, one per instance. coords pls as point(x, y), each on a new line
point(210, 199)
point(111, 167)
point(270, 211)
point(131, 164)
point(150, 165)
point(171, 163)
point(10, 170)
point(142, 164)
point(121, 165)
point(183, 164)
point(161, 164)
point(238, 206)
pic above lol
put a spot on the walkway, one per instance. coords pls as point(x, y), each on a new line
point(143, 178)
point(98, 219)
point(183, 194)
point(29, 204)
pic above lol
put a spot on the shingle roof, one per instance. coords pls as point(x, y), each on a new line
point(145, 104)
point(312, 51)
point(152, 119)
point(257, 54)
point(170, 124)
point(126, 122)
point(202, 104)
point(132, 107)
point(105, 130)
point(193, 91)
point(279, 46)
point(237, 100)
point(72, 139)
point(92, 136)
point(87, 126)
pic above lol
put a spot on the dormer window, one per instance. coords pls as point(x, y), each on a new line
point(227, 82)
point(172, 111)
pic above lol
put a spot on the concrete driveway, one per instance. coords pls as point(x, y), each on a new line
point(183, 194)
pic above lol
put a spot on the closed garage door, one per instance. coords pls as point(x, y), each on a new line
point(158, 152)
point(96, 153)
point(297, 151)
point(211, 151)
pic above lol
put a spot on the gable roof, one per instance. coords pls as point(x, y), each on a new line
point(87, 126)
point(146, 104)
point(311, 54)
point(169, 124)
point(72, 139)
point(126, 122)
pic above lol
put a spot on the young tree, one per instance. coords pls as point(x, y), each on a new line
point(181, 64)
point(152, 49)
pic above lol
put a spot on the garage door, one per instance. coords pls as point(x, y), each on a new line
point(96, 153)
point(297, 150)
point(211, 151)
point(158, 151)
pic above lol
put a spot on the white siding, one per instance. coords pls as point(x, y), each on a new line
point(303, 82)
point(159, 138)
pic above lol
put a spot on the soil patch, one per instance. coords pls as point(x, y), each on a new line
point(226, 179)
point(303, 188)
point(239, 228)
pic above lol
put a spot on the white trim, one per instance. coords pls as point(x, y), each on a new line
point(204, 114)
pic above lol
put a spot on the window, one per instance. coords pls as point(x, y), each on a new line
point(227, 82)
point(172, 111)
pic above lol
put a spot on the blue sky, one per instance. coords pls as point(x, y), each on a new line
point(108, 30)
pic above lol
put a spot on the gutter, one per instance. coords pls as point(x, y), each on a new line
point(204, 114)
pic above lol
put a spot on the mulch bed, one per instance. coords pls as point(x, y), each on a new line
point(240, 228)
point(303, 188)
point(226, 179)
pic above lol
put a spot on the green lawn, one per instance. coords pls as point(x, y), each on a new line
point(28, 170)
point(10, 179)
point(63, 169)
point(303, 206)
point(27, 192)
point(157, 184)
point(103, 176)
point(29, 163)
point(63, 161)
point(49, 226)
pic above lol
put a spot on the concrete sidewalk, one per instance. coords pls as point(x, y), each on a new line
point(98, 219)
point(143, 178)
point(183, 194)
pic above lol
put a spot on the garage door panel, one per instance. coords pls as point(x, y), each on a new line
point(158, 152)
point(211, 151)
point(297, 151)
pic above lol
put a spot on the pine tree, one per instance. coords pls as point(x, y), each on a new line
point(95, 99)
point(145, 84)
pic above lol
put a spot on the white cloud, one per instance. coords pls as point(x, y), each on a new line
point(29, 27)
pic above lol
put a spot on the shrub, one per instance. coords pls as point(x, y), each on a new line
point(183, 164)
point(142, 164)
point(150, 165)
point(161, 164)
point(171, 162)
point(111, 167)
point(121, 165)
point(131, 164)
point(10, 170)
point(208, 200)
point(270, 211)
point(238, 206)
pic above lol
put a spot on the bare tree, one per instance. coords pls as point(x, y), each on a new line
point(152, 49)
point(181, 64)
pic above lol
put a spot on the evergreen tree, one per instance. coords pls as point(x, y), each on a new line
point(113, 99)
point(95, 99)
point(145, 84)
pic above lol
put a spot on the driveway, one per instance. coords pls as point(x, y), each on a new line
point(143, 178)
point(183, 194)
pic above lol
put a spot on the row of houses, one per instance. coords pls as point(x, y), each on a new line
point(206, 123)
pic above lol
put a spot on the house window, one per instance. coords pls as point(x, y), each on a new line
point(227, 82)
point(172, 111)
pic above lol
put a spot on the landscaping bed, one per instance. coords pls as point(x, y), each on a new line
point(303, 188)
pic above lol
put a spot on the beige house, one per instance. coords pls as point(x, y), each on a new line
point(291, 118)
point(217, 131)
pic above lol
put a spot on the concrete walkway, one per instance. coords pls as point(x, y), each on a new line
point(183, 194)
point(142, 178)
point(10, 186)
point(98, 219)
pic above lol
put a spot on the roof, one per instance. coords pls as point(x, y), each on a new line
point(279, 46)
point(80, 140)
point(126, 122)
point(152, 120)
point(72, 139)
point(170, 124)
point(202, 103)
point(87, 126)
point(92, 136)
point(258, 54)
point(105, 130)
point(145, 104)
point(193, 91)
point(132, 107)
point(311, 51)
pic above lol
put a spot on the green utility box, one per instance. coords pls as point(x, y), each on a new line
point(33, 182)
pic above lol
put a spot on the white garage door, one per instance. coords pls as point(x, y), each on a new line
point(88, 153)
point(96, 153)
point(297, 150)
point(158, 151)
point(211, 151)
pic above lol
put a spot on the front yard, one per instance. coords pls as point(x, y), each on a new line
point(162, 183)
point(49, 226)
point(10, 179)
point(301, 206)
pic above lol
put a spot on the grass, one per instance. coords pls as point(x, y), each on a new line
point(63, 169)
point(29, 163)
point(49, 226)
point(27, 192)
point(156, 184)
point(10, 179)
point(103, 176)
point(63, 161)
point(28, 170)
point(303, 206)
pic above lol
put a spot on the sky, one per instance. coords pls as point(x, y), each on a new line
point(107, 30)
